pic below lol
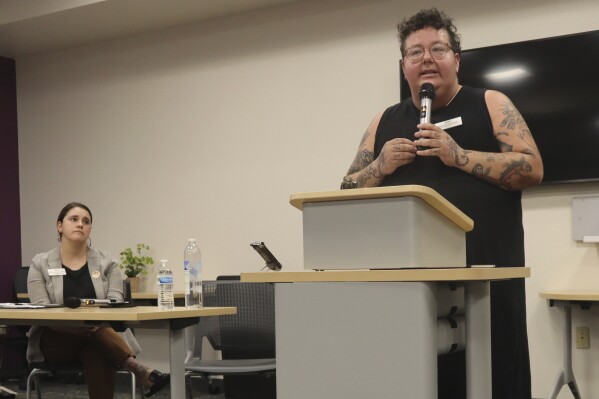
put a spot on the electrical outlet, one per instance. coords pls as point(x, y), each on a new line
point(582, 338)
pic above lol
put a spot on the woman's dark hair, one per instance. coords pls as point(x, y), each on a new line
point(66, 210)
point(70, 206)
point(431, 18)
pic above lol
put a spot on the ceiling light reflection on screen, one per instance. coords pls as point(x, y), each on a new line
point(507, 75)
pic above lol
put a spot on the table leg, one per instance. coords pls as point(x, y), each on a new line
point(478, 339)
point(177, 356)
point(566, 374)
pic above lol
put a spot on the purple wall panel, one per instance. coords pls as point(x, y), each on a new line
point(10, 220)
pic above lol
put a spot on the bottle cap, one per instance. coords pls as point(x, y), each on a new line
point(192, 240)
point(163, 261)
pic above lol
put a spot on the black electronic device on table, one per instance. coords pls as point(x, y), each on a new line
point(271, 262)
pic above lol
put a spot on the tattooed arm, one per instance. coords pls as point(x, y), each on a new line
point(369, 172)
point(516, 167)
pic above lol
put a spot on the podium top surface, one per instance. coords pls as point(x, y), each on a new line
point(427, 194)
point(457, 274)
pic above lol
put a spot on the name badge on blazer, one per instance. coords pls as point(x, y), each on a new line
point(57, 272)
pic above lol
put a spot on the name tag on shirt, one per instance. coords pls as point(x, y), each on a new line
point(57, 272)
point(450, 123)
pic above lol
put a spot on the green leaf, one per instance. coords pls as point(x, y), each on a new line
point(136, 264)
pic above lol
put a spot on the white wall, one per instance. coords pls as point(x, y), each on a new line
point(204, 131)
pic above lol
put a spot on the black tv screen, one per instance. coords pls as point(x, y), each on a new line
point(554, 83)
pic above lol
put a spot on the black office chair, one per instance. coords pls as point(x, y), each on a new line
point(246, 340)
point(15, 337)
point(20, 284)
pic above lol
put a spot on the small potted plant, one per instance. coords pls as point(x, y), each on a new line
point(134, 264)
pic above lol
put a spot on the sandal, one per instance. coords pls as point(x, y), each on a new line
point(159, 380)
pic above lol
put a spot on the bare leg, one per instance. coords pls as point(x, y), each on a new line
point(142, 373)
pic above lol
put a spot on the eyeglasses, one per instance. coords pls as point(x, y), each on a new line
point(416, 54)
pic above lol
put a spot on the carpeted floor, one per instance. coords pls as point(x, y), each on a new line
point(70, 388)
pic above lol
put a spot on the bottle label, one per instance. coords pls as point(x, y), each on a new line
point(185, 265)
point(165, 279)
point(186, 279)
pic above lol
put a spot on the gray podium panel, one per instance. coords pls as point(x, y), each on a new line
point(356, 340)
point(380, 233)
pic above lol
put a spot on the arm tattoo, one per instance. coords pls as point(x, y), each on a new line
point(518, 167)
point(511, 116)
point(513, 168)
point(513, 119)
point(505, 147)
point(482, 173)
point(459, 159)
point(363, 159)
point(371, 171)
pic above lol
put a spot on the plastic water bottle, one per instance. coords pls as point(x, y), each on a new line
point(192, 264)
point(164, 279)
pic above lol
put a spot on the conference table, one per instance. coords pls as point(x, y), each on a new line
point(566, 299)
point(121, 318)
point(136, 295)
point(373, 333)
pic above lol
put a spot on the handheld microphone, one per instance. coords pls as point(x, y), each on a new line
point(426, 95)
point(73, 302)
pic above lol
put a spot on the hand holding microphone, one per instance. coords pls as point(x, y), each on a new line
point(426, 95)
point(442, 144)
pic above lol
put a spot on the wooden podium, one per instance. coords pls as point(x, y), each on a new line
point(382, 228)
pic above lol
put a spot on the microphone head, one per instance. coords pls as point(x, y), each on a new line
point(72, 302)
point(427, 90)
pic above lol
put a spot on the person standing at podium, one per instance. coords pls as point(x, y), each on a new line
point(479, 154)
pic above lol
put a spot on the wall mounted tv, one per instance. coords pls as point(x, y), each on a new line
point(554, 83)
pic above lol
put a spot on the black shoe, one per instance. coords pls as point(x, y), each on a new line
point(159, 380)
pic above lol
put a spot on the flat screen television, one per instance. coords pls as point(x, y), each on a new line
point(554, 83)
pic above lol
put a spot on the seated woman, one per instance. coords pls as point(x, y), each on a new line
point(76, 270)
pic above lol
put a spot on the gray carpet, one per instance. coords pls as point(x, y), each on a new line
point(71, 389)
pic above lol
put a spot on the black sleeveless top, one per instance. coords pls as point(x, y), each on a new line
point(498, 236)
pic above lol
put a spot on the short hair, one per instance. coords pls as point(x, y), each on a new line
point(431, 18)
point(70, 206)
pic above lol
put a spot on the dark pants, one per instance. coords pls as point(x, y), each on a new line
point(509, 348)
point(99, 353)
